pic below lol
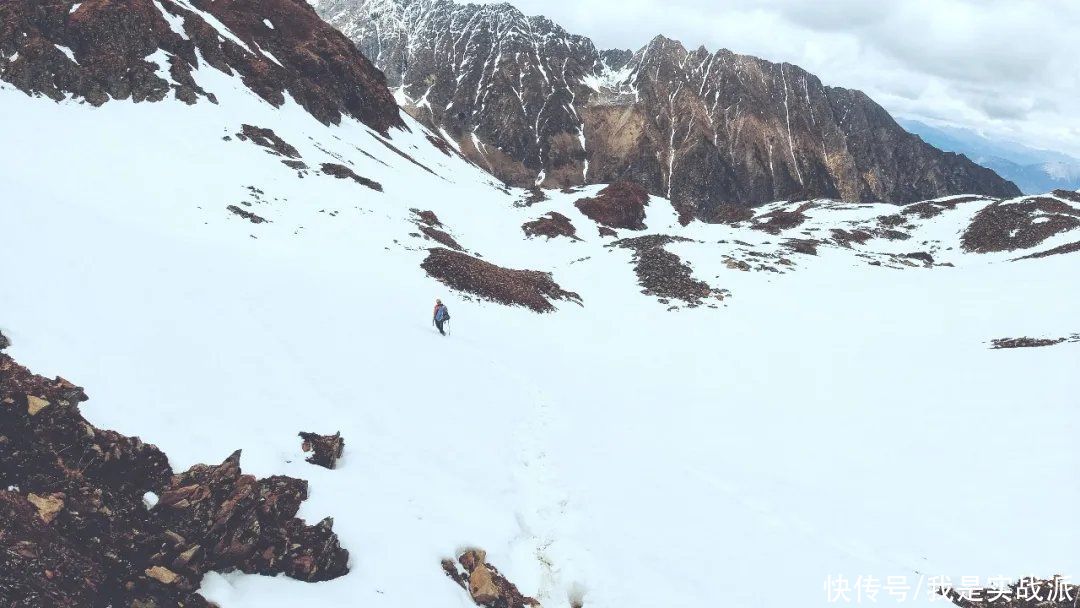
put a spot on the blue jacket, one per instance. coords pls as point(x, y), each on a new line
point(440, 312)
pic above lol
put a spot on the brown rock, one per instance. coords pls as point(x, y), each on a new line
point(482, 586)
point(485, 584)
point(162, 574)
point(35, 404)
point(552, 225)
point(620, 205)
point(325, 449)
point(48, 507)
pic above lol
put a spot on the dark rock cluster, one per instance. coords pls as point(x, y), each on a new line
point(325, 449)
point(620, 205)
point(431, 227)
point(552, 225)
point(663, 274)
point(80, 523)
point(1026, 342)
point(530, 288)
point(99, 50)
point(343, 172)
point(774, 222)
point(485, 584)
point(1020, 224)
point(247, 215)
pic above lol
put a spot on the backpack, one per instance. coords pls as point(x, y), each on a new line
point(445, 313)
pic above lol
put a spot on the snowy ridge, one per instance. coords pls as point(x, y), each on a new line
point(839, 413)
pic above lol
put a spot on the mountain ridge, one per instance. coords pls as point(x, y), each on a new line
point(536, 105)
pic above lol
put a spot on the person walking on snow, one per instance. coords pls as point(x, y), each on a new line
point(440, 316)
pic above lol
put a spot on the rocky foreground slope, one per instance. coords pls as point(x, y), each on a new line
point(92, 518)
point(532, 103)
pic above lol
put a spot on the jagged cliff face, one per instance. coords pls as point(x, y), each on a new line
point(536, 105)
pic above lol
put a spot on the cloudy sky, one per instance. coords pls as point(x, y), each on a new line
point(1007, 68)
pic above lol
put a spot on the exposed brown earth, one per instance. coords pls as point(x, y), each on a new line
point(343, 172)
point(777, 221)
point(485, 584)
point(552, 225)
point(269, 140)
point(441, 237)
point(430, 225)
point(620, 205)
point(1006, 226)
point(845, 238)
point(530, 288)
point(325, 449)
point(663, 274)
point(427, 218)
point(1069, 195)
point(77, 532)
point(111, 43)
point(929, 209)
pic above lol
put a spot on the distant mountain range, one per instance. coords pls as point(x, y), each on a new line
point(712, 131)
point(1031, 169)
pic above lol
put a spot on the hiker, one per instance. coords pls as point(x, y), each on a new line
point(440, 316)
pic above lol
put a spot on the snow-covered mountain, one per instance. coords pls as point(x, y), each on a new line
point(1031, 169)
point(630, 410)
point(534, 104)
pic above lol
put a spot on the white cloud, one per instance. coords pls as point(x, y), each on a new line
point(1006, 68)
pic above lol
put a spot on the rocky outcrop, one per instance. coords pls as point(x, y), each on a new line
point(325, 449)
point(552, 225)
point(485, 584)
point(664, 275)
point(78, 530)
point(343, 172)
point(432, 228)
point(247, 215)
point(620, 205)
point(1025, 342)
point(530, 288)
point(99, 50)
point(534, 104)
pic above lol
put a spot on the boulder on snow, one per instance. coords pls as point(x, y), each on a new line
point(325, 449)
point(486, 586)
point(4, 342)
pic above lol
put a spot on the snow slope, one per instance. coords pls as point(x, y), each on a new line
point(834, 419)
